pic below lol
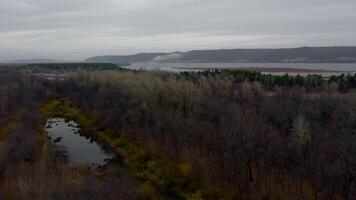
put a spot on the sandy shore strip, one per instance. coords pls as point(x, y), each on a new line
point(264, 69)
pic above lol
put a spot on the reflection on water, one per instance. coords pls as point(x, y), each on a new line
point(79, 149)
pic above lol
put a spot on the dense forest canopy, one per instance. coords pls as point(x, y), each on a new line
point(210, 135)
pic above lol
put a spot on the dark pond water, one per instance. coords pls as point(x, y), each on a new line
point(79, 149)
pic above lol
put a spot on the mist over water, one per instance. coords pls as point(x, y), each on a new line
point(176, 67)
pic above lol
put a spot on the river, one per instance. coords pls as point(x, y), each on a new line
point(177, 67)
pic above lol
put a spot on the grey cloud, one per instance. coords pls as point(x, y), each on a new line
point(75, 29)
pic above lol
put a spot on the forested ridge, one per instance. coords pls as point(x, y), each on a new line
point(287, 55)
point(206, 135)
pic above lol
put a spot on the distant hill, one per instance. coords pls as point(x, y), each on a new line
point(286, 55)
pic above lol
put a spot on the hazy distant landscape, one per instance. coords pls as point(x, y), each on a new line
point(294, 55)
point(330, 60)
point(325, 60)
point(176, 67)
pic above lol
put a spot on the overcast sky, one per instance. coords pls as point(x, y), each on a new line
point(77, 29)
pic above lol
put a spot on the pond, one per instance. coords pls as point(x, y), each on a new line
point(79, 149)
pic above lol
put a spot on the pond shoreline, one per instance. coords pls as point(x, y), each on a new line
point(79, 149)
point(159, 178)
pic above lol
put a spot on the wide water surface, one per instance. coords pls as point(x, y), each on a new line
point(176, 67)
